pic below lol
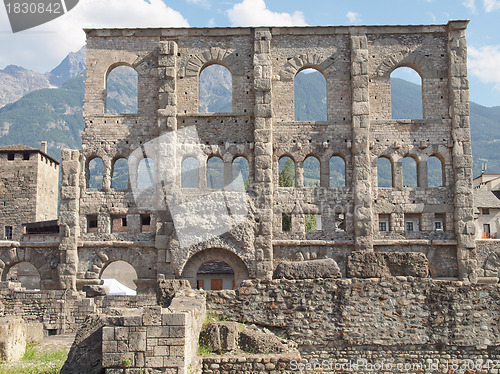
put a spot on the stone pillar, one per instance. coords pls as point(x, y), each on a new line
point(325, 172)
point(69, 208)
point(361, 179)
point(458, 85)
point(422, 173)
point(106, 176)
point(166, 166)
point(263, 152)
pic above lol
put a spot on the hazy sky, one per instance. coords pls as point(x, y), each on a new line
point(43, 47)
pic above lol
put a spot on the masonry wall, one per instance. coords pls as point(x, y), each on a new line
point(395, 319)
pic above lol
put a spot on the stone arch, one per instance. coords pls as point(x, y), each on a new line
point(123, 69)
point(215, 254)
point(115, 183)
point(379, 161)
point(226, 57)
point(416, 172)
point(402, 58)
point(89, 184)
point(190, 178)
point(122, 274)
point(44, 260)
point(306, 61)
point(439, 182)
point(312, 159)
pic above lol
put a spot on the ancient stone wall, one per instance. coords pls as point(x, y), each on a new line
point(373, 319)
point(356, 63)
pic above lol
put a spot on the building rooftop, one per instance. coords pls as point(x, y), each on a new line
point(25, 148)
point(486, 199)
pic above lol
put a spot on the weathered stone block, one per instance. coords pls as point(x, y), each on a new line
point(324, 268)
point(12, 338)
point(386, 264)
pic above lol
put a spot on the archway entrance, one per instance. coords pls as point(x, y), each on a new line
point(119, 276)
point(215, 263)
point(25, 273)
point(214, 276)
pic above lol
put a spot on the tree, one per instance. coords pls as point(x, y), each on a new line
point(287, 175)
point(311, 222)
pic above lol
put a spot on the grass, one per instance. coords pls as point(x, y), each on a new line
point(36, 361)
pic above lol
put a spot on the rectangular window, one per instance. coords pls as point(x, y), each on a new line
point(91, 223)
point(438, 226)
point(199, 284)
point(486, 231)
point(286, 222)
point(313, 222)
point(439, 222)
point(8, 232)
point(118, 224)
point(216, 284)
point(412, 222)
point(10, 156)
point(383, 222)
point(26, 156)
point(409, 226)
point(485, 211)
point(340, 222)
point(145, 223)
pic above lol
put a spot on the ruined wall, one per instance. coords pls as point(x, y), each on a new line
point(356, 63)
point(373, 319)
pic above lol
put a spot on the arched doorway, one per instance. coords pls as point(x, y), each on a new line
point(25, 273)
point(119, 276)
point(215, 275)
point(217, 256)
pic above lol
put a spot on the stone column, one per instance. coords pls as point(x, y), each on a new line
point(166, 165)
point(361, 179)
point(458, 85)
point(69, 217)
point(263, 152)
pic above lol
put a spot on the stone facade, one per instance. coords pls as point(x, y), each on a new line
point(357, 63)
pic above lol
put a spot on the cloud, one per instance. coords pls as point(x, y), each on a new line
point(203, 3)
point(484, 62)
point(43, 47)
point(255, 13)
point(470, 4)
point(353, 17)
point(211, 22)
point(491, 5)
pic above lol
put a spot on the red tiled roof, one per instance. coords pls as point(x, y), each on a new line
point(18, 147)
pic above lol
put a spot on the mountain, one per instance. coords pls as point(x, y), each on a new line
point(70, 67)
point(15, 82)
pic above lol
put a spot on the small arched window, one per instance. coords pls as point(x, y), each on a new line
point(435, 172)
point(337, 172)
point(310, 96)
point(286, 168)
point(119, 179)
point(410, 174)
point(121, 90)
point(215, 90)
point(241, 166)
point(146, 174)
point(215, 173)
point(384, 172)
point(312, 172)
point(189, 173)
point(406, 94)
point(95, 171)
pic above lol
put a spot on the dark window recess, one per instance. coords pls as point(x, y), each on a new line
point(124, 221)
point(145, 220)
point(26, 156)
point(8, 232)
point(91, 223)
point(10, 156)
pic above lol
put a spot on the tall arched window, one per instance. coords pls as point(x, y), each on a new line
point(119, 179)
point(312, 172)
point(410, 174)
point(384, 172)
point(215, 90)
point(146, 174)
point(26, 273)
point(189, 173)
point(215, 172)
point(406, 94)
point(337, 172)
point(121, 90)
point(435, 172)
point(241, 166)
point(95, 171)
point(310, 96)
point(286, 168)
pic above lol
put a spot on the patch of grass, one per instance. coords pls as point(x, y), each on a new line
point(204, 349)
point(36, 361)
